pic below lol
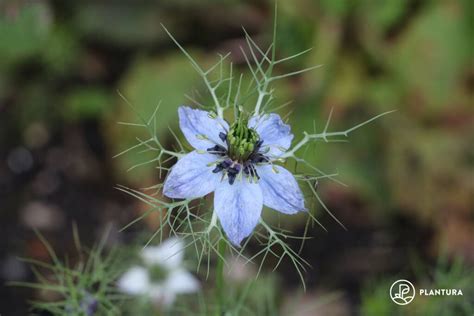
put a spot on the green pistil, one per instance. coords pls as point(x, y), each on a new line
point(241, 140)
point(157, 273)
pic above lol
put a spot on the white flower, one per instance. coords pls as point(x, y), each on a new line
point(162, 277)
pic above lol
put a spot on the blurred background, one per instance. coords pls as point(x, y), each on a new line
point(409, 203)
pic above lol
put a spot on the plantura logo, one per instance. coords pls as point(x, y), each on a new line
point(402, 292)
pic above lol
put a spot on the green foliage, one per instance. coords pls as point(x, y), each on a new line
point(444, 55)
point(61, 51)
point(448, 274)
point(149, 82)
point(379, 16)
point(85, 104)
point(120, 23)
point(22, 34)
point(418, 159)
point(80, 287)
point(452, 274)
point(376, 300)
point(336, 8)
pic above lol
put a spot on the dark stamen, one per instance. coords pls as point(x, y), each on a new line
point(232, 167)
point(255, 172)
point(223, 136)
point(227, 163)
point(218, 168)
point(232, 177)
point(218, 150)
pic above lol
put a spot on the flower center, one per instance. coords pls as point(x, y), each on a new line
point(157, 273)
point(242, 154)
point(241, 141)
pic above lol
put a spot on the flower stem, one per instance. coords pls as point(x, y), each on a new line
point(220, 288)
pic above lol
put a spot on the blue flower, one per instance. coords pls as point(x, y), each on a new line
point(236, 163)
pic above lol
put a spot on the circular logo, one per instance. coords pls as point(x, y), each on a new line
point(402, 292)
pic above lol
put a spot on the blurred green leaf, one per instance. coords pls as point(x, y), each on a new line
point(294, 31)
point(125, 24)
point(425, 169)
point(375, 299)
point(347, 84)
point(61, 51)
point(38, 102)
point(148, 82)
point(375, 18)
point(23, 34)
point(86, 103)
point(380, 15)
point(338, 8)
point(432, 56)
point(453, 274)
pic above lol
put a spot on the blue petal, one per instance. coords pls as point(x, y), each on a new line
point(238, 207)
point(192, 177)
point(201, 130)
point(275, 134)
point(280, 189)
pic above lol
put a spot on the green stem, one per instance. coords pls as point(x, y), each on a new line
point(220, 278)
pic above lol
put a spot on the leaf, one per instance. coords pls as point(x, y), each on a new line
point(147, 82)
point(22, 33)
point(86, 103)
point(125, 24)
point(432, 56)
